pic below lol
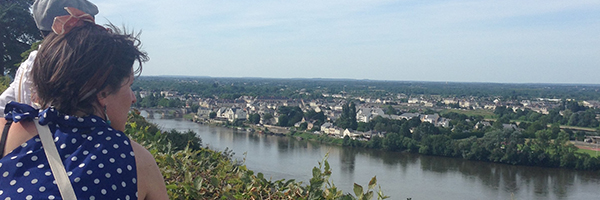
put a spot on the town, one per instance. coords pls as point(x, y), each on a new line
point(263, 111)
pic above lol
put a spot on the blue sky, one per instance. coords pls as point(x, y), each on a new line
point(454, 40)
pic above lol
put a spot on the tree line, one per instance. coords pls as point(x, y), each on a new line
point(545, 146)
point(231, 88)
point(569, 113)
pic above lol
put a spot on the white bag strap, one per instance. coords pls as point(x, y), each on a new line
point(20, 90)
point(56, 165)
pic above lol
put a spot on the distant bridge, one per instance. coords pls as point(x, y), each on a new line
point(163, 113)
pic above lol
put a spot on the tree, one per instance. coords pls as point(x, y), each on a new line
point(555, 129)
point(348, 117)
point(289, 115)
point(164, 102)
point(375, 142)
point(303, 126)
point(4, 83)
point(389, 110)
point(17, 34)
point(212, 115)
point(267, 117)
point(282, 120)
point(254, 118)
point(317, 116)
point(194, 108)
point(574, 106)
point(346, 141)
point(424, 129)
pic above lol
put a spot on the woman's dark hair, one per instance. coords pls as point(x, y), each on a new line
point(71, 69)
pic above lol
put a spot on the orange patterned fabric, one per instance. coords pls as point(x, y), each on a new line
point(64, 24)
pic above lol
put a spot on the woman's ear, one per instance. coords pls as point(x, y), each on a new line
point(101, 97)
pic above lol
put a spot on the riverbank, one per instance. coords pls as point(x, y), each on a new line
point(401, 175)
point(195, 172)
point(492, 147)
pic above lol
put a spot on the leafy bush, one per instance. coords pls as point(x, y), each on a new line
point(193, 172)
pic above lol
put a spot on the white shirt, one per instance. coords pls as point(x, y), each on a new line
point(20, 89)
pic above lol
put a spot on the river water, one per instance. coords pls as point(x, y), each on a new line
point(400, 175)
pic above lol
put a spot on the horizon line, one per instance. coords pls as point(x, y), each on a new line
point(375, 80)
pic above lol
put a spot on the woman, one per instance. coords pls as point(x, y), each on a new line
point(83, 77)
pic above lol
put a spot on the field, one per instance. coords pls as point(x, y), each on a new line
point(487, 114)
point(589, 151)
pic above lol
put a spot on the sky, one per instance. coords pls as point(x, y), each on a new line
point(510, 41)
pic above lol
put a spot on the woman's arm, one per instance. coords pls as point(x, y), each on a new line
point(151, 184)
point(18, 134)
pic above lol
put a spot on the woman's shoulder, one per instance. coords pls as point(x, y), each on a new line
point(17, 134)
point(151, 182)
point(142, 155)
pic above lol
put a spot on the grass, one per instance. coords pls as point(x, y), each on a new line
point(487, 114)
point(577, 128)
point(591, 152)
point(188, 116)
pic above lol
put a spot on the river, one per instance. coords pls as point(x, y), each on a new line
point(400, 175)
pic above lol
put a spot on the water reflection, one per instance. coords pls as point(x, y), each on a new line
point(401, 175)
point(348, 160)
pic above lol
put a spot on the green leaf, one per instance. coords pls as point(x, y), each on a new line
point(358, 190)
point(260, 175)
point(373, 182)
point(316, 172)
point(214, 181)
point(171, 187)
point(369, 195)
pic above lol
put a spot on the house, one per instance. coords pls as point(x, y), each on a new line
point(541, 110)
point(592, 104)
point(448, 101)
point(510, 126)
point(325, 127)
point(464, 104)
point(203, 113)
point(482, 124)
point(310, 126)
point(413, 101)
point(337, 132)
point(297, 124)
point(144, 94)
point(409, 116)
point(350, 134)
point(433, 119)
point(366, 114)
point(592, 139)
point(232, 114)
point(168, 93)
point(489, 107)
point(330, 129)
point(221, 112)
point(444, 122)
point(271, 121)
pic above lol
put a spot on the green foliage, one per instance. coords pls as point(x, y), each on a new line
point(194, 172)
point(254, 118)
point(4, 83)
point(228, 88)
point(18, 33)
point(289, 115)
point(496, 145)
point(348, 117)
point(318, 117)
point(390, 110)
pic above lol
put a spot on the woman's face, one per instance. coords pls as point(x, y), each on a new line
point(119, 103)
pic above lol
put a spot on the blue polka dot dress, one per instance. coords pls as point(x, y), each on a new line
point(98, 159)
